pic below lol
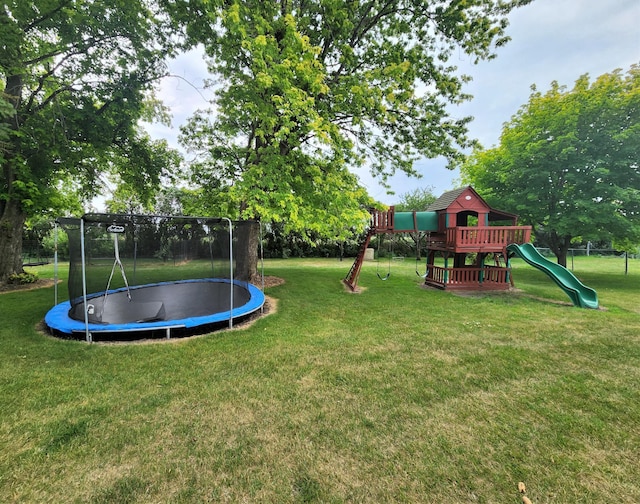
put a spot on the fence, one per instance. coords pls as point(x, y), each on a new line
point(625, 258)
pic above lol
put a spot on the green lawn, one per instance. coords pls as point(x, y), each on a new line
point(397, 394)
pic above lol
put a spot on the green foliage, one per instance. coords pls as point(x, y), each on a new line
point(626, 245)
point(82, 74)
point(417, 200)
point(50, 241)
point(6, 111)
point(567, 162)
point(77, 76)
point(278, 244)
point(307, 90)
point(23, 278)
point(136, 189)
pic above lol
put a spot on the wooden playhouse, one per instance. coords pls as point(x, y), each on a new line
point(459, 227)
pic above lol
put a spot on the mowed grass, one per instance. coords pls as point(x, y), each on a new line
point(396, 394)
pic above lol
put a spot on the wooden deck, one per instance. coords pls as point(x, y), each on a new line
point(460, 239)
point(487, 239)
point(490, 239)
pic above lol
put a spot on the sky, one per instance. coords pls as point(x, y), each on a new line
point(550, 40)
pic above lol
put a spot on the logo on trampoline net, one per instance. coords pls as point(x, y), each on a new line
point(115, 228)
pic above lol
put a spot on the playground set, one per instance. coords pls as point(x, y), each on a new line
point(476, 243)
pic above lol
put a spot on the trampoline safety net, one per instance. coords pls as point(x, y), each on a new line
point(121, 252)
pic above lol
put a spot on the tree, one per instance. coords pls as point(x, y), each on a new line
point(416, 200)
point(306, 90)
point(128, 198)
point(568, 162)
point(75, 77)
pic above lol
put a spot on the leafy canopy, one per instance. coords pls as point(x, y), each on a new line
point(416, 200)
point(568, 161)
point(307, 90)
point(77, 76)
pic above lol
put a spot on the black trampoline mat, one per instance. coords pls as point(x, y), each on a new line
point(165, 301)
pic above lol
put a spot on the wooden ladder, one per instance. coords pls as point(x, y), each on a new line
point(351, 280)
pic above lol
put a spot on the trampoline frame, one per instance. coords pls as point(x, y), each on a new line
point(59, 320)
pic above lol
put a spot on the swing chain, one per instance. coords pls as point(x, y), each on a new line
point(418, 255)
point(389, 266)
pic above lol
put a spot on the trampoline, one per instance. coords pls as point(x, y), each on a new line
point(189, 304)
point(140, 276)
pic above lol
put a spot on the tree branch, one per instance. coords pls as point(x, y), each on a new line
point(46, 16)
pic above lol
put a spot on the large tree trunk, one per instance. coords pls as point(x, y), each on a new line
point(246, 251)
point(11, 224)
point(12, 217)
point(560, 246)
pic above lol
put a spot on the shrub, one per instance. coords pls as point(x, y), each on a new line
point(23, 278)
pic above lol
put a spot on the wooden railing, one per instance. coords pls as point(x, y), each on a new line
point(469, 278)
point(382, 220)
point(486, 238)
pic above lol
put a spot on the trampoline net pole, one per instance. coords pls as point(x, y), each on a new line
point(211, 259)
point(261, 263)
point(84, 283)
point(135, 251)
point(230, 272)
point(55, 263)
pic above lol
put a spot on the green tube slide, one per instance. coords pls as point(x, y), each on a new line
point(580, 294)
point(415, 221)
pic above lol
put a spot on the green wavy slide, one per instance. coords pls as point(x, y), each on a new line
point(580, 294)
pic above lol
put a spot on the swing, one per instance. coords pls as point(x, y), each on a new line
point(116, 262)
point(418, 258)
point(378, 265)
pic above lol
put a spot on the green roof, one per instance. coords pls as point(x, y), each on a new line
point(443, 202)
